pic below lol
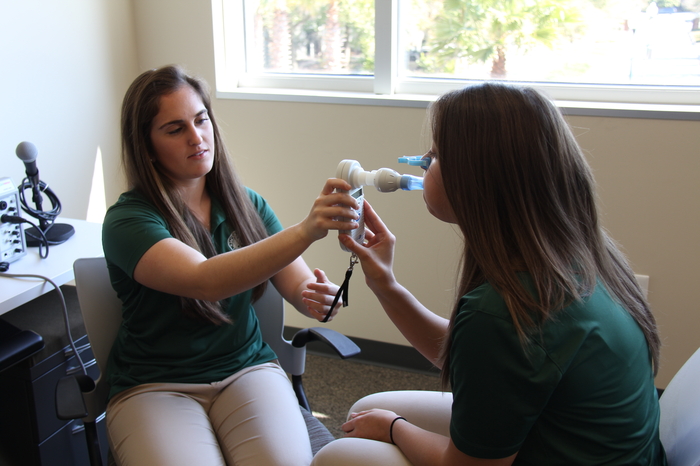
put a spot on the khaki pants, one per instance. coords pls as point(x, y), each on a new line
point(250, 418)
point(429, 410)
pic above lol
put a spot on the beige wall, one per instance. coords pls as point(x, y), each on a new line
point(68, 104)
point(647, 172)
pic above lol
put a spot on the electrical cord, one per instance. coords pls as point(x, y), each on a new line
point(66, 319)
point(47, 216)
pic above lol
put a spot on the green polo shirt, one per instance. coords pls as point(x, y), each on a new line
point(156, 341)
point(582, 393)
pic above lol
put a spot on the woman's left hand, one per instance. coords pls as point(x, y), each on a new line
point(319, 296)
point(373, 424)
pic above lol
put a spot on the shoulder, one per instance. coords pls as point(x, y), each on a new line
point(131, 226)
point(268, 216)
point(483, 323)
point(483, 299)
point(258, 201)
point(131, 204)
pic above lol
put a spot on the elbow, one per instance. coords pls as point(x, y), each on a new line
point(204, 291)
point(209, 294)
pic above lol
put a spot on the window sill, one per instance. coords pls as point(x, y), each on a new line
point(574, 108)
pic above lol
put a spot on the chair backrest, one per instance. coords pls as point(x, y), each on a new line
point(679, 426)
point(102, 315)
point(270, 311)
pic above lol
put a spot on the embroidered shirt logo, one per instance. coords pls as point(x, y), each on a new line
point(234, 241)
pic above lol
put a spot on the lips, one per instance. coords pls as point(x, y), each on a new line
point(201, 153)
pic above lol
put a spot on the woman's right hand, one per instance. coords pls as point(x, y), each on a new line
point(327, 210)
point(377, 254)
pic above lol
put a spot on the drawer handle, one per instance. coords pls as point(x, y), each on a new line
point(78, 425)
point(74, 369)
point(68, 351)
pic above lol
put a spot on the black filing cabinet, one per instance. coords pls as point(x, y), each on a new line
point(31, 433)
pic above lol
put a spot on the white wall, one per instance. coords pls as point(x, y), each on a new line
point(65, 65)
point(62, 87)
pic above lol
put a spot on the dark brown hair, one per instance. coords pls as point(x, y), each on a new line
point(140, 107)
point(524, 198)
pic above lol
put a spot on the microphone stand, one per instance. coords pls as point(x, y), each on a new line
point(55, 233)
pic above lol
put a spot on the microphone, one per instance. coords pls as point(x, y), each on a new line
point(27, 152)
point(47, 231)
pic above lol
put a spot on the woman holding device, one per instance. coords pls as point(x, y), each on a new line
point(551, 349)
point(189, 248)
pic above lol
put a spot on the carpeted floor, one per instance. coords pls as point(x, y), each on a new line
point(332, 386)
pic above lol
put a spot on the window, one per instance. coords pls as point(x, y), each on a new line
point(579, 50)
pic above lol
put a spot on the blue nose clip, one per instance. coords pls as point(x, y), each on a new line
point(422, 161)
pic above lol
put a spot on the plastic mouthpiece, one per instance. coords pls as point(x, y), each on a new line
point(411, 183)
point(385, 180)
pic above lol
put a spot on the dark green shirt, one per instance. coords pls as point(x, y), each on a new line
point(156, 341)
point(582, 393)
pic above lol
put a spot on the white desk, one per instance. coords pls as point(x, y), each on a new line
point(58, 266)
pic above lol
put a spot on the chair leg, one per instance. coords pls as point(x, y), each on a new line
point(93, 443)
point(299, 390)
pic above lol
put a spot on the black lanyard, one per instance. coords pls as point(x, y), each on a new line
point(343, 290)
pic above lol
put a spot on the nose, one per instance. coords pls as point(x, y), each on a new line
point(195, 138)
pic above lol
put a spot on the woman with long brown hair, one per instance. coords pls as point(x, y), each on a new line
point(551, 348)
point(189, 249)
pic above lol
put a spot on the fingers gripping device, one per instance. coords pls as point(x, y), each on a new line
point(385, 180)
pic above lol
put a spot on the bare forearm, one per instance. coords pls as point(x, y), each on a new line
point(420, 446)
point(172, 267)
point(292, 281)
point(235, 272)
point(425, 448)
point(422, 328)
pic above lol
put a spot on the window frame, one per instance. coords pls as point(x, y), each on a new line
point(386, 88)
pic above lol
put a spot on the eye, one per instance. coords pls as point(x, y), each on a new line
point(201, 121)
point(175, 131)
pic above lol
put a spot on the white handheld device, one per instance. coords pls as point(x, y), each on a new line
point(346, 171)
point(385, 180)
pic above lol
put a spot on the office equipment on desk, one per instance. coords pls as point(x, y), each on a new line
point(12, 244)
point(86, 242)
point(47, 232)
point(31, 433)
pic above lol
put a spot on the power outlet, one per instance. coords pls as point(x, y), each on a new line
point(643, 281)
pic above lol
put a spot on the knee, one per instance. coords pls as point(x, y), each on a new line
point(375, 400)
point(430, 410)
point(357, 451)
point(400, 401)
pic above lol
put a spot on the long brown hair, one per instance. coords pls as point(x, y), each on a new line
point(141, 105)
point(524, 198)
